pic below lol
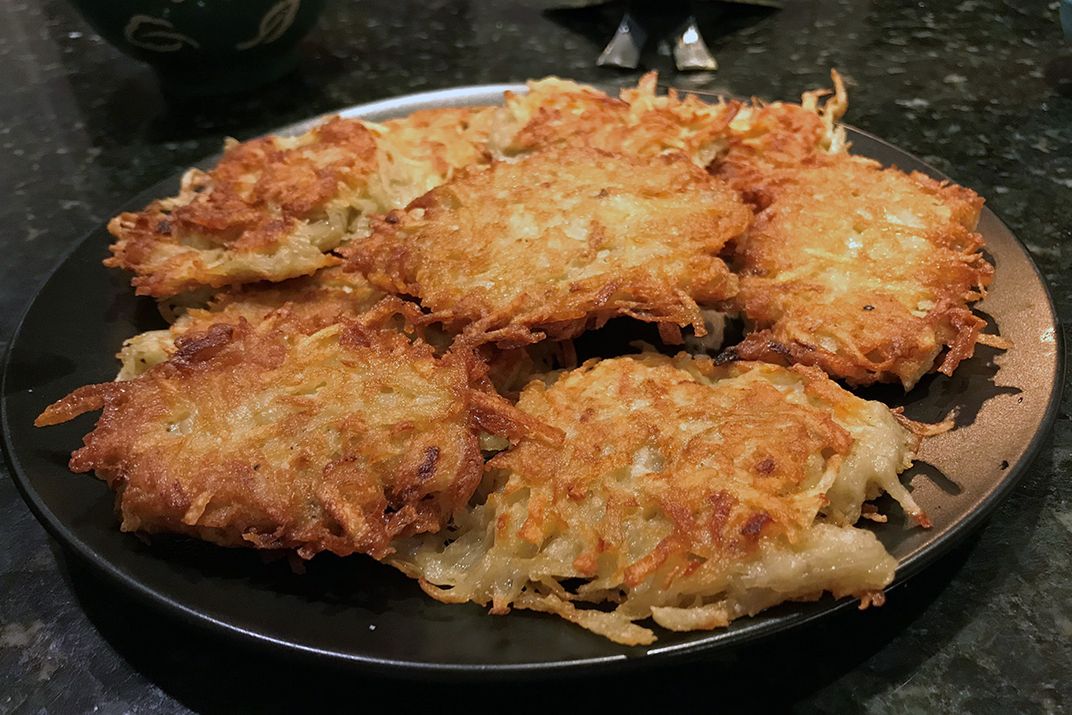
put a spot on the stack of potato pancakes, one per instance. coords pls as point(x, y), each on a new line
point(373, 351)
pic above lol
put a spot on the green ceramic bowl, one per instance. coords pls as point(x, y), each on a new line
point(206, 46)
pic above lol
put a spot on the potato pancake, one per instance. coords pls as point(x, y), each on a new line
point(424, 149)
point(684, 492)
point(765, 136)
point(310, 303)
point(865, 272)
point(265, 437)
point(268, 211)
point(559, 241)
point(273, 207)
point(639, 123)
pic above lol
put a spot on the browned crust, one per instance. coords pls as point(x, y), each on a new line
point(306, 304)
point(456, 250)
point(259, 436)
point(678, 479)
point(863, 327)
point(767, 136)
point(706, 513)
point(448, 139)
point(779, 135)
point(310, 302)
point(896, 356)
point(251, 203)
point(562, 114)
point(638, 123)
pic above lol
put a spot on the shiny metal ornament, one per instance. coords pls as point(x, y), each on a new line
point(690, 51)
point(624, 48)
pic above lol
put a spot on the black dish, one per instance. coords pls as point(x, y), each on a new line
point(358, 612)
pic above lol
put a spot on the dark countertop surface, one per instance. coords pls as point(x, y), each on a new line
point(981, 89)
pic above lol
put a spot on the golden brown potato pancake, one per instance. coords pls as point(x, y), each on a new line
point(684, 492)
point(262, 436)
point(864, 271)
point(273, 207)
point(559, 241)
point(426, 148)
point(639, 123)
point(763, 137)
point(268, 211)
point(308, 304)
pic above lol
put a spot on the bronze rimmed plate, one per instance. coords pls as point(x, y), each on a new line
point(359, 612)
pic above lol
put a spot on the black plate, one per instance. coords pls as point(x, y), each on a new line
point(359, 612)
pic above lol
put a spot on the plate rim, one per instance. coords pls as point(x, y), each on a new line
point(805, 613)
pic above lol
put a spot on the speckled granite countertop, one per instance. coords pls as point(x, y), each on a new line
point(981, 89)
